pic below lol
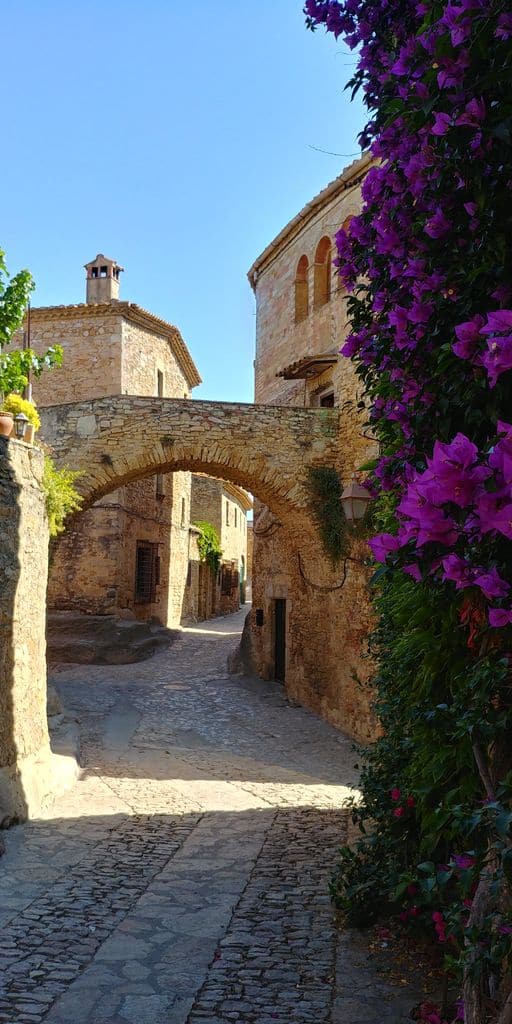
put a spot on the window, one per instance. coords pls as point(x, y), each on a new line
point(183, 512)
point(322, 273)
point(160, 383)
point(327, 400)
point(235, 514)
point(301, 290)
point(227, 513)
point(147, 572)
point(189, 574)
point(103, 271)
point(159, 489)
point(94, 272)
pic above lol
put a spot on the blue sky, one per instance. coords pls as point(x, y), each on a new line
point(177, 138)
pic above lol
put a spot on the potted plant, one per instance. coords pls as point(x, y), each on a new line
point(12, 406)
point(6, 421)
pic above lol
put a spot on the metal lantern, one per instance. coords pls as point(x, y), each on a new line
point(20, 425)
point(354, 500)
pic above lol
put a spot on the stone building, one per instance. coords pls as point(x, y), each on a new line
point(306, 630)
point(225, 506)
point(131, 550)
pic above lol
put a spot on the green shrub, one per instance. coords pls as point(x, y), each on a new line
point(208, 544)
point(62, 498)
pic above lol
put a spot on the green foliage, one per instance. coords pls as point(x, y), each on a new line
point(423, 806)
point(16, 404)
point(324, 486)
point(208, 543)
point(17, 366)
point(62, 498)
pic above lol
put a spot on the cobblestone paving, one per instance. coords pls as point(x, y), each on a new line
point(277, 960)
point(184, 878)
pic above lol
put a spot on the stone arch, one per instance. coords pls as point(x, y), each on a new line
point(265, 449)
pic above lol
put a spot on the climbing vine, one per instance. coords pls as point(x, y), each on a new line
point(208, 544)
point(324, 486)
point(429, 266)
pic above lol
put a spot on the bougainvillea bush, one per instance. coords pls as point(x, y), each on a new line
point(429, 267)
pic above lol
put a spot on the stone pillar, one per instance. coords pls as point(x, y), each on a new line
point(26, 769)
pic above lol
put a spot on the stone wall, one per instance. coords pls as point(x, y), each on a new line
point(25, 761)
point(107, 353)
point(268, 450)
point(92, 341)
point(326, 625)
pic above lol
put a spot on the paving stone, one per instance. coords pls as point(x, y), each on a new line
point(185, 878)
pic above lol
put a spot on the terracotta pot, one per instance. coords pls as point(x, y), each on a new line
point(6, 424)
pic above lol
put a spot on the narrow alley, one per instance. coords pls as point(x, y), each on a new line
point(185, 877)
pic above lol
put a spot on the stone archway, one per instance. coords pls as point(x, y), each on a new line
point(268, 450)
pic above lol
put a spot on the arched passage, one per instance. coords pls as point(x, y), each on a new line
point(266, 449)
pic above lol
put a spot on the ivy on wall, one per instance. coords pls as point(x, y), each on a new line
point(208, 545)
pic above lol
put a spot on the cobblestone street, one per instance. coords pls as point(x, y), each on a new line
point(184, 878)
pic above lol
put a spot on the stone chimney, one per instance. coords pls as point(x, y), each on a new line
point(102, 279)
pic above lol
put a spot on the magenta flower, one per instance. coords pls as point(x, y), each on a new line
point(504, 27)
point(463, 861)
point(452, 473)
point(457, 571)
point(399, 812)
point(469, 337)
point(382, 545)
point(494, 514)
point(491, 584)
point(438, 226)
point(395, 794)
point(474, 113)
point(442, 124)
point(498, 358)
point(500, 617)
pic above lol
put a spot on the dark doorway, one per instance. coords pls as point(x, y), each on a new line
point(279, 639)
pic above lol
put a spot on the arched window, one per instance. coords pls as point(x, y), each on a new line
point(346, 228)
point(301, 290)
point(322, 272)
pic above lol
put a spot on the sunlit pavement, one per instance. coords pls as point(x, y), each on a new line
point(184, 878)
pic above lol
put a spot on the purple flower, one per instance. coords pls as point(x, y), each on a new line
point(442, 123)
point(469, 337)
point(500, 617)
point(504, 27)
point(438, 225)
point(382, 545)
point(463, 861)
point(457, 571)
point(474, 113)
point(491, 584)
point(498, 358)
point(452, 473)
point(501, 456)
point(414, 571)
point(494, 514)
point(498, 322)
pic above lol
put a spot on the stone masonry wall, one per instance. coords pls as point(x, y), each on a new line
point(336, 621)
point(92, 343)
point(268, 450)
point(93, 568)
point(24, 748)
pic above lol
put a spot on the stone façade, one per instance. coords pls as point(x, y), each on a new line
point(301, 321)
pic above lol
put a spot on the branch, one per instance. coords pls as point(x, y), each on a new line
point(483, 768)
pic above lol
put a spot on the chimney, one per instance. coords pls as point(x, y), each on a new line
point(102, 280)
